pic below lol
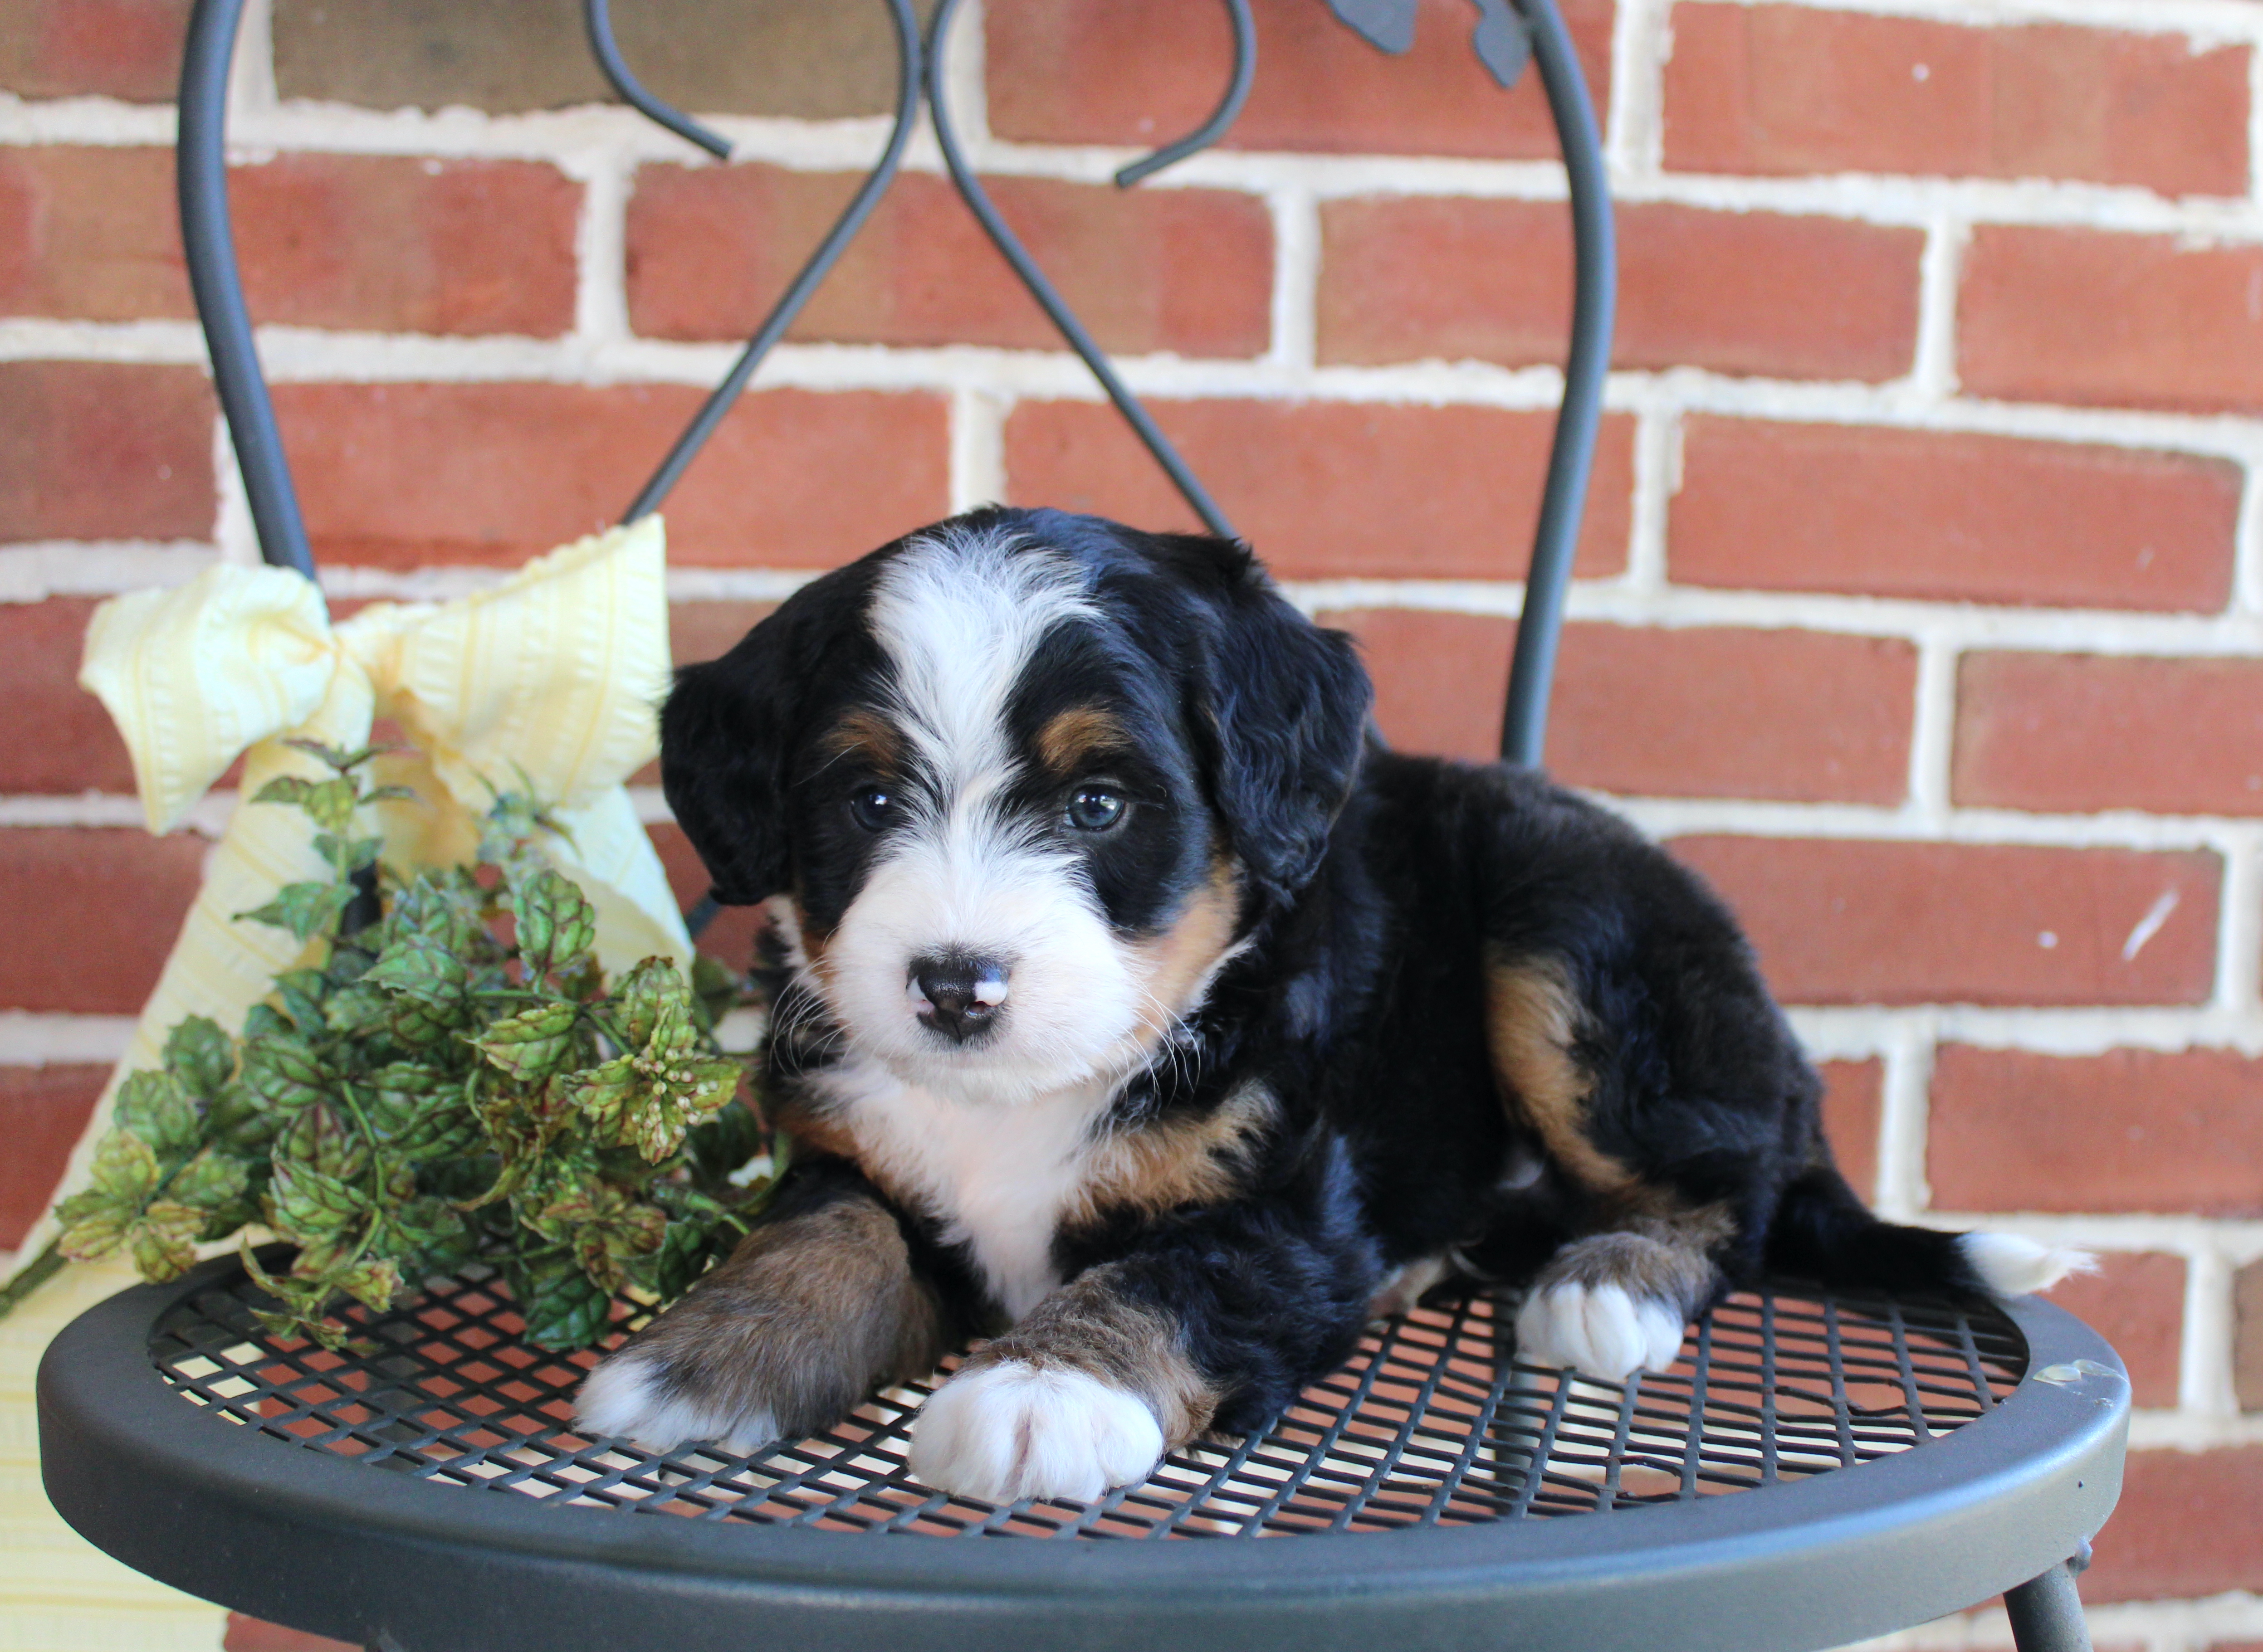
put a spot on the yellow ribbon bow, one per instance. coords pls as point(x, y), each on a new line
point(548, 684)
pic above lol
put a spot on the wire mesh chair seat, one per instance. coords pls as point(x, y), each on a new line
point(1813, 1468)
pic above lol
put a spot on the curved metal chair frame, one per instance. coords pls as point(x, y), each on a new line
point(2021, 1433)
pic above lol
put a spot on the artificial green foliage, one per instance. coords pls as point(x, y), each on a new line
point(452, 1079)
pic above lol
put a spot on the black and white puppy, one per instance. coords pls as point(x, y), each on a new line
point(1145, 1018)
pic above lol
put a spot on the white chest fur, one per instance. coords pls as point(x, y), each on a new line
point(995, 1175)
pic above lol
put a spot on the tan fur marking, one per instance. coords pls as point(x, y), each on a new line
point(806, 1317)
point(1177, 959)
point(1072, 737)
point(864, 732)
point(1532, 1021)
point(1088, 1326)
point(1174, 1162)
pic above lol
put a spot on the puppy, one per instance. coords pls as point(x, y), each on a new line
point(1145, 1017)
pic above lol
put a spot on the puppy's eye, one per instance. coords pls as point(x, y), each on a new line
point(1096, 809)
point(873, 809)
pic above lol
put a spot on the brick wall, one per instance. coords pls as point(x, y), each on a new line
point(1919, 601)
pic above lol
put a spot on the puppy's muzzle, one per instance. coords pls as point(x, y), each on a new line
point(958, 994)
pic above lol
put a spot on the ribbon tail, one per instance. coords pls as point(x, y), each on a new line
point(612, 859)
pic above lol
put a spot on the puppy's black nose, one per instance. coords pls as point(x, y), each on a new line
point(959, 993)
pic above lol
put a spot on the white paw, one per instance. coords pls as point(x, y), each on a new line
point(624, 1398)
point(1600, 1331)
point(2012, 1266)
point(1013, 1431)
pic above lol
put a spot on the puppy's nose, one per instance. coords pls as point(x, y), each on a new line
point(958, 992)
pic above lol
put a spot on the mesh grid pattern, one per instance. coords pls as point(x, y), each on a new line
point(1431, 1422)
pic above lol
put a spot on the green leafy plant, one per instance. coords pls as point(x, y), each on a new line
point(453, 1078)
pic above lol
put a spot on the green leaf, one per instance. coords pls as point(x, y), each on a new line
point(418, 1112)
point(283, 1072)
point(530, 1045)
point(284, 789)
point(563, 1310)
point(357, 1010)
point(210, 1181)
point(307, 1204)
point(420, 968)
point(124, 1168)
point(716, 989)
point(373, 1283)
point(263, 1021)
point(556, 923)
point(305, 909)
point(639, 997)
point(238, 1122)
point(350, 855)
point(320, 1139)
point(156, 1108)
point(164, 1241)
point(330, 804)
point(200, 1056)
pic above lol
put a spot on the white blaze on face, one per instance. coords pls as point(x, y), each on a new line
point(959, 618)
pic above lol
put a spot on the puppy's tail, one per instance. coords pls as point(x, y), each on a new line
point(1822, 1233)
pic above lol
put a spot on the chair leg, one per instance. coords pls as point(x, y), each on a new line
point(2047, 1614)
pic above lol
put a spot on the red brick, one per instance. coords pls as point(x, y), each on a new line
point(703, 630)
point(1093, 72)
point(2247, 1336)
point(1850, 921)
point(90, 233)
point(382, 242)
point(1949, 516)
point(397, 244)
point(2073, 733)
point(1406, 279)
point(89, 915)
point(1328, 490)
point(56, 737)
point(2137, 1302)
point(1853, 1096)
point(1724, 712)
point(128, 49)
point(253, 1635)
point(1440, 679)
point(2132, 1129)
point(1186, 271)
point(2186, 1527)
point(1781, 89)
point(1702, 712)
point(404, 474)
point(42, 1111)
point(105, 451)
point(2085, 316)
point(731, 936)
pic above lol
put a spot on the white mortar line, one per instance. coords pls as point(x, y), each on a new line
point(1933, 729)
point(33, 1040)
point(1939, 272)
point(2204, 1352)
point(35, 571)
point(1294, 305)
point(1903, 1085)
point(2239, 926)
point(1634, 141)
point(978, 449)
point(236, 536)
point(601, 313)
point(1657, 480)
point(251, 72)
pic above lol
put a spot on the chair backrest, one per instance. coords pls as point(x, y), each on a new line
point(1505, 37)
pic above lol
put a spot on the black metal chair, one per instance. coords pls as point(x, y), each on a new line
point(1814, 1468)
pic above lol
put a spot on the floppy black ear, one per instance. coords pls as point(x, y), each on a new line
point(1286, 709)
point(723, 739)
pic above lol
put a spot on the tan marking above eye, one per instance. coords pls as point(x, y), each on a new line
point(1071, 739)
point(864, 732)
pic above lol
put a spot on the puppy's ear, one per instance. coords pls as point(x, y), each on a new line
point(1284, 707)
point(723, 741)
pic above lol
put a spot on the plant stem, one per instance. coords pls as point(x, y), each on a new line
point(31, 1276)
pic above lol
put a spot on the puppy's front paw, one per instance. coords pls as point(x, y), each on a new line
point(629, 1396)
point(1600, 1331)
point(1003, 1433)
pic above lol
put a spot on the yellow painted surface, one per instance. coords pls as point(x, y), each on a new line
point(58, 1592)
